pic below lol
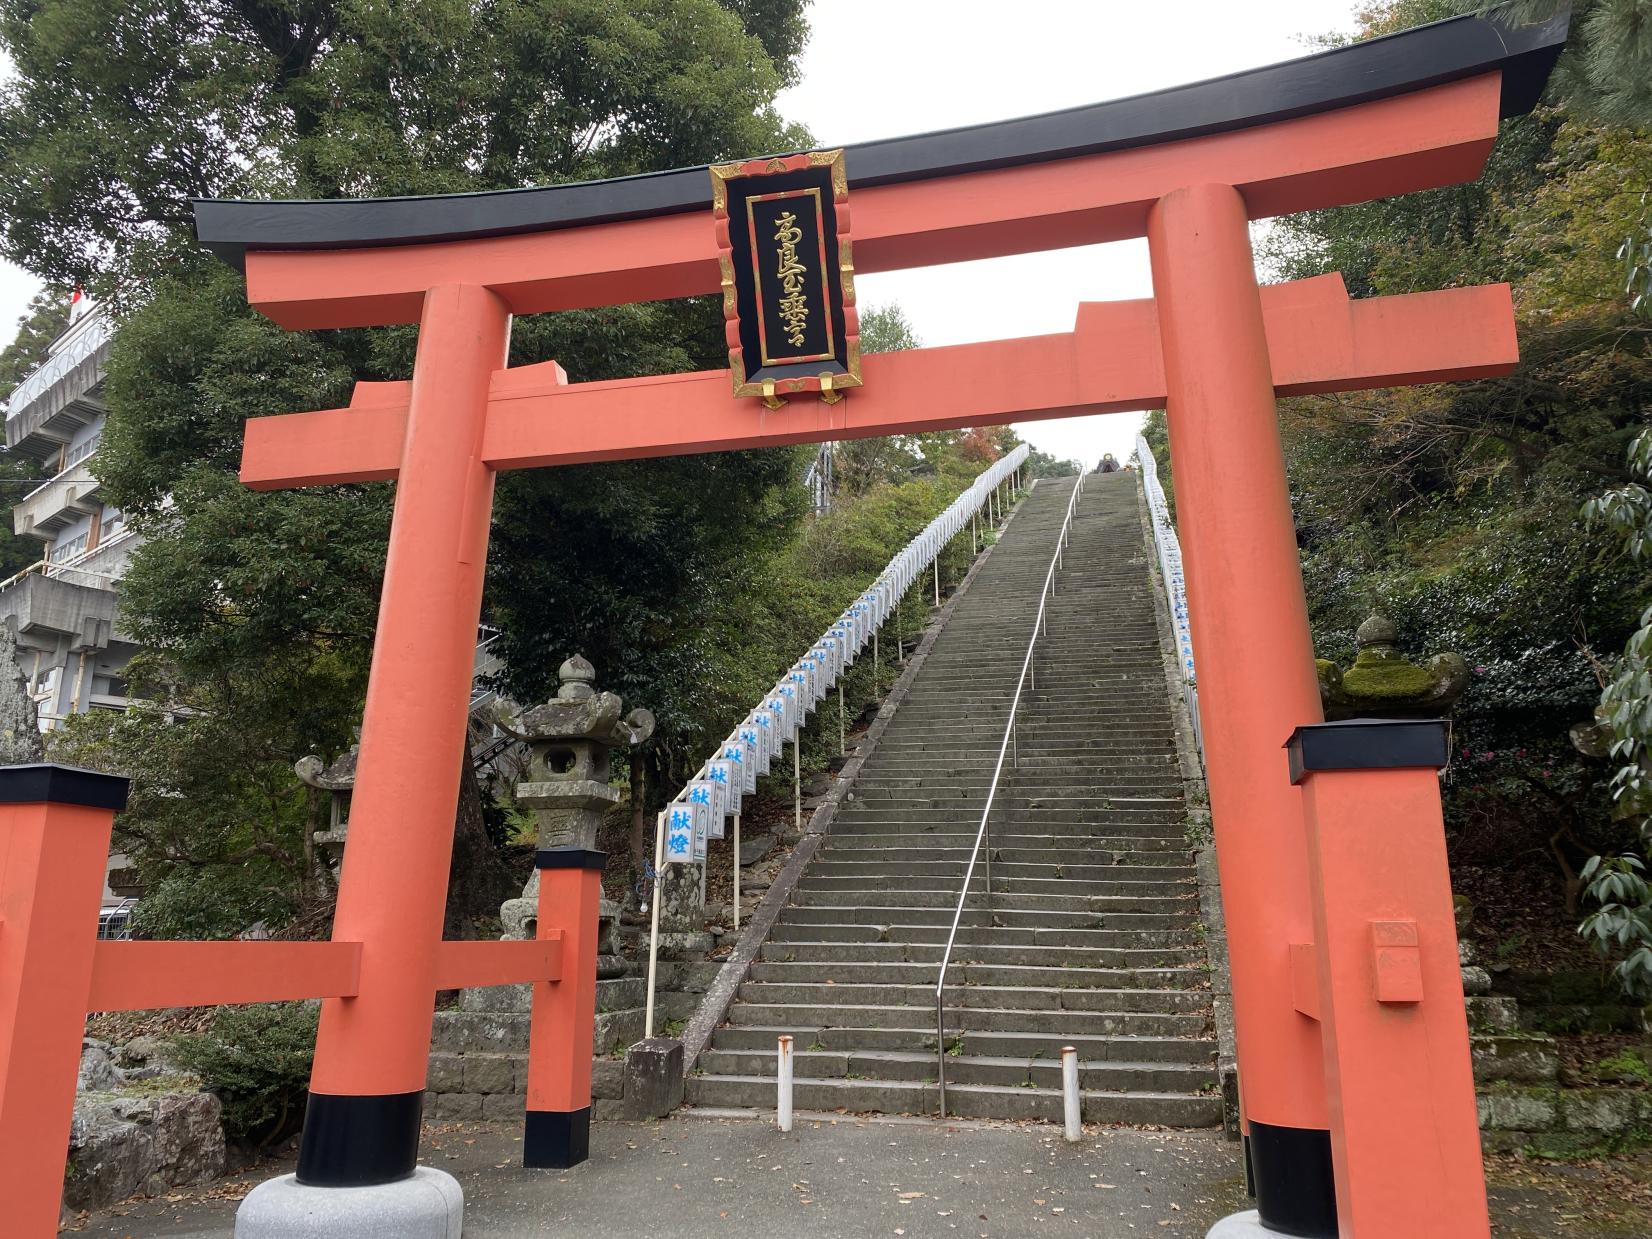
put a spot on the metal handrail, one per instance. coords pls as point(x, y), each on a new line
point(1040, 627)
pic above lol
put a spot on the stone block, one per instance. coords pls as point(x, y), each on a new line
point(445, 1074)
point(653, 1078)
point(503, 1107)
point(496, 998)
point(676, 1006)
point(459, 1107)
point(489, 1073)
point(607, 1110)
point(1511, 1109)
point(1604, 1111)
point(608, 1079)
point(621, 994)
point(484, 1031)
point(1476, 980)
point(1517, 1059)
point(615, 1030)
point(1492, 1015)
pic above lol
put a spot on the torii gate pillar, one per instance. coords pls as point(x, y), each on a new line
point(1254, 651)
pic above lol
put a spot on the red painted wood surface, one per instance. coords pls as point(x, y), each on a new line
point(52, 858)
point(139, 976)
point(467, 965)
point(1318, 340)
point(1438, 136)
point(1405, 1130)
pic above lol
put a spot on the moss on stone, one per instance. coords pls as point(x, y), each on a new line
point(1376, 678)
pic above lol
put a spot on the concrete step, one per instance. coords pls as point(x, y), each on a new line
point(1022, 1045)
point(1116, 933)
point(961, 972)
point(1100, 916)
point(947, 874)
point(1082, 897)
point(1093, 1075)
point(960, 995)
point(928, 955)
point(1055, 1022)
point(963, 1101)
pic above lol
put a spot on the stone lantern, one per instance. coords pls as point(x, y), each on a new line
point(1382, 683)
point(338, 781)
point(570, 740)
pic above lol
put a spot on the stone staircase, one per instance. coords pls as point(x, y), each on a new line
point(1092, 936)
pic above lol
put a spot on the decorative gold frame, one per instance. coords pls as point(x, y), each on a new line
point(830, 386)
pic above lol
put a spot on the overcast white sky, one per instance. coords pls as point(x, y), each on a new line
point(883, 68)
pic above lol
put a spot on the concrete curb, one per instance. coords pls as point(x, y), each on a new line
point(1196, 795)
point(719, 996)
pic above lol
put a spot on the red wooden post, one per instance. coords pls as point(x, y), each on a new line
point(1404, 1126)
point(1256, 673)
point(54, 847)
point(367, 1088)
point(558, 1129)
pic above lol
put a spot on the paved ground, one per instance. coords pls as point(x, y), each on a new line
point(690, 1177)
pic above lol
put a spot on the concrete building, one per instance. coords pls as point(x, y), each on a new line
point(63, 608)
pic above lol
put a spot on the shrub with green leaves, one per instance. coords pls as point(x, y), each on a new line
point(257, 1060)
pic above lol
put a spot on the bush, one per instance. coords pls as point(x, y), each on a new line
point(257, 1060)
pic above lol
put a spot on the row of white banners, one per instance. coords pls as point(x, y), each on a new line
point(698, 815)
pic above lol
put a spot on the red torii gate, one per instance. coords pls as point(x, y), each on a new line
point(1351, 1032)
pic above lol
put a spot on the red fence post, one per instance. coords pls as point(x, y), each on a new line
point(558, 1128)
point(54, 848)
point(1405, 1132)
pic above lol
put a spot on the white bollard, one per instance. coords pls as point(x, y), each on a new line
point(1069, 1094)
point(783, 1107)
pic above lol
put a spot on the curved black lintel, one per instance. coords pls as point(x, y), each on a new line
point(1396, 64)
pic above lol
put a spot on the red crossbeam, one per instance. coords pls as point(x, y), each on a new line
point(465, 965)
point(1318, 341)
point(139, 976)
point(142, 976)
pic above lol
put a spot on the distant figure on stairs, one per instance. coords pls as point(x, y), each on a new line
point(1108, 464)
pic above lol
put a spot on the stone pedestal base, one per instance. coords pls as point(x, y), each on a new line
point(429, 1205)
point(1246, 1225)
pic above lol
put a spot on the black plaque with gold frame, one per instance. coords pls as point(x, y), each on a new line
point(788, 276)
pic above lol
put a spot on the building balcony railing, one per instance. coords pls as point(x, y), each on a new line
point(59, 398)
point(56, 504)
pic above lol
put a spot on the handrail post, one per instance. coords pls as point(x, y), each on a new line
point(987, 836)
point(940, 1042)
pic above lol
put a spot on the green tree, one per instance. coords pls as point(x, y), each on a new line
point(38, 326)
point(1621, 923)
point(260, 607)
point(858, 465)
point(1455, 508)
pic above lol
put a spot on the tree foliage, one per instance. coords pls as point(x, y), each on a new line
point(259, 608)
point(1456, 508)
point(122, 110)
